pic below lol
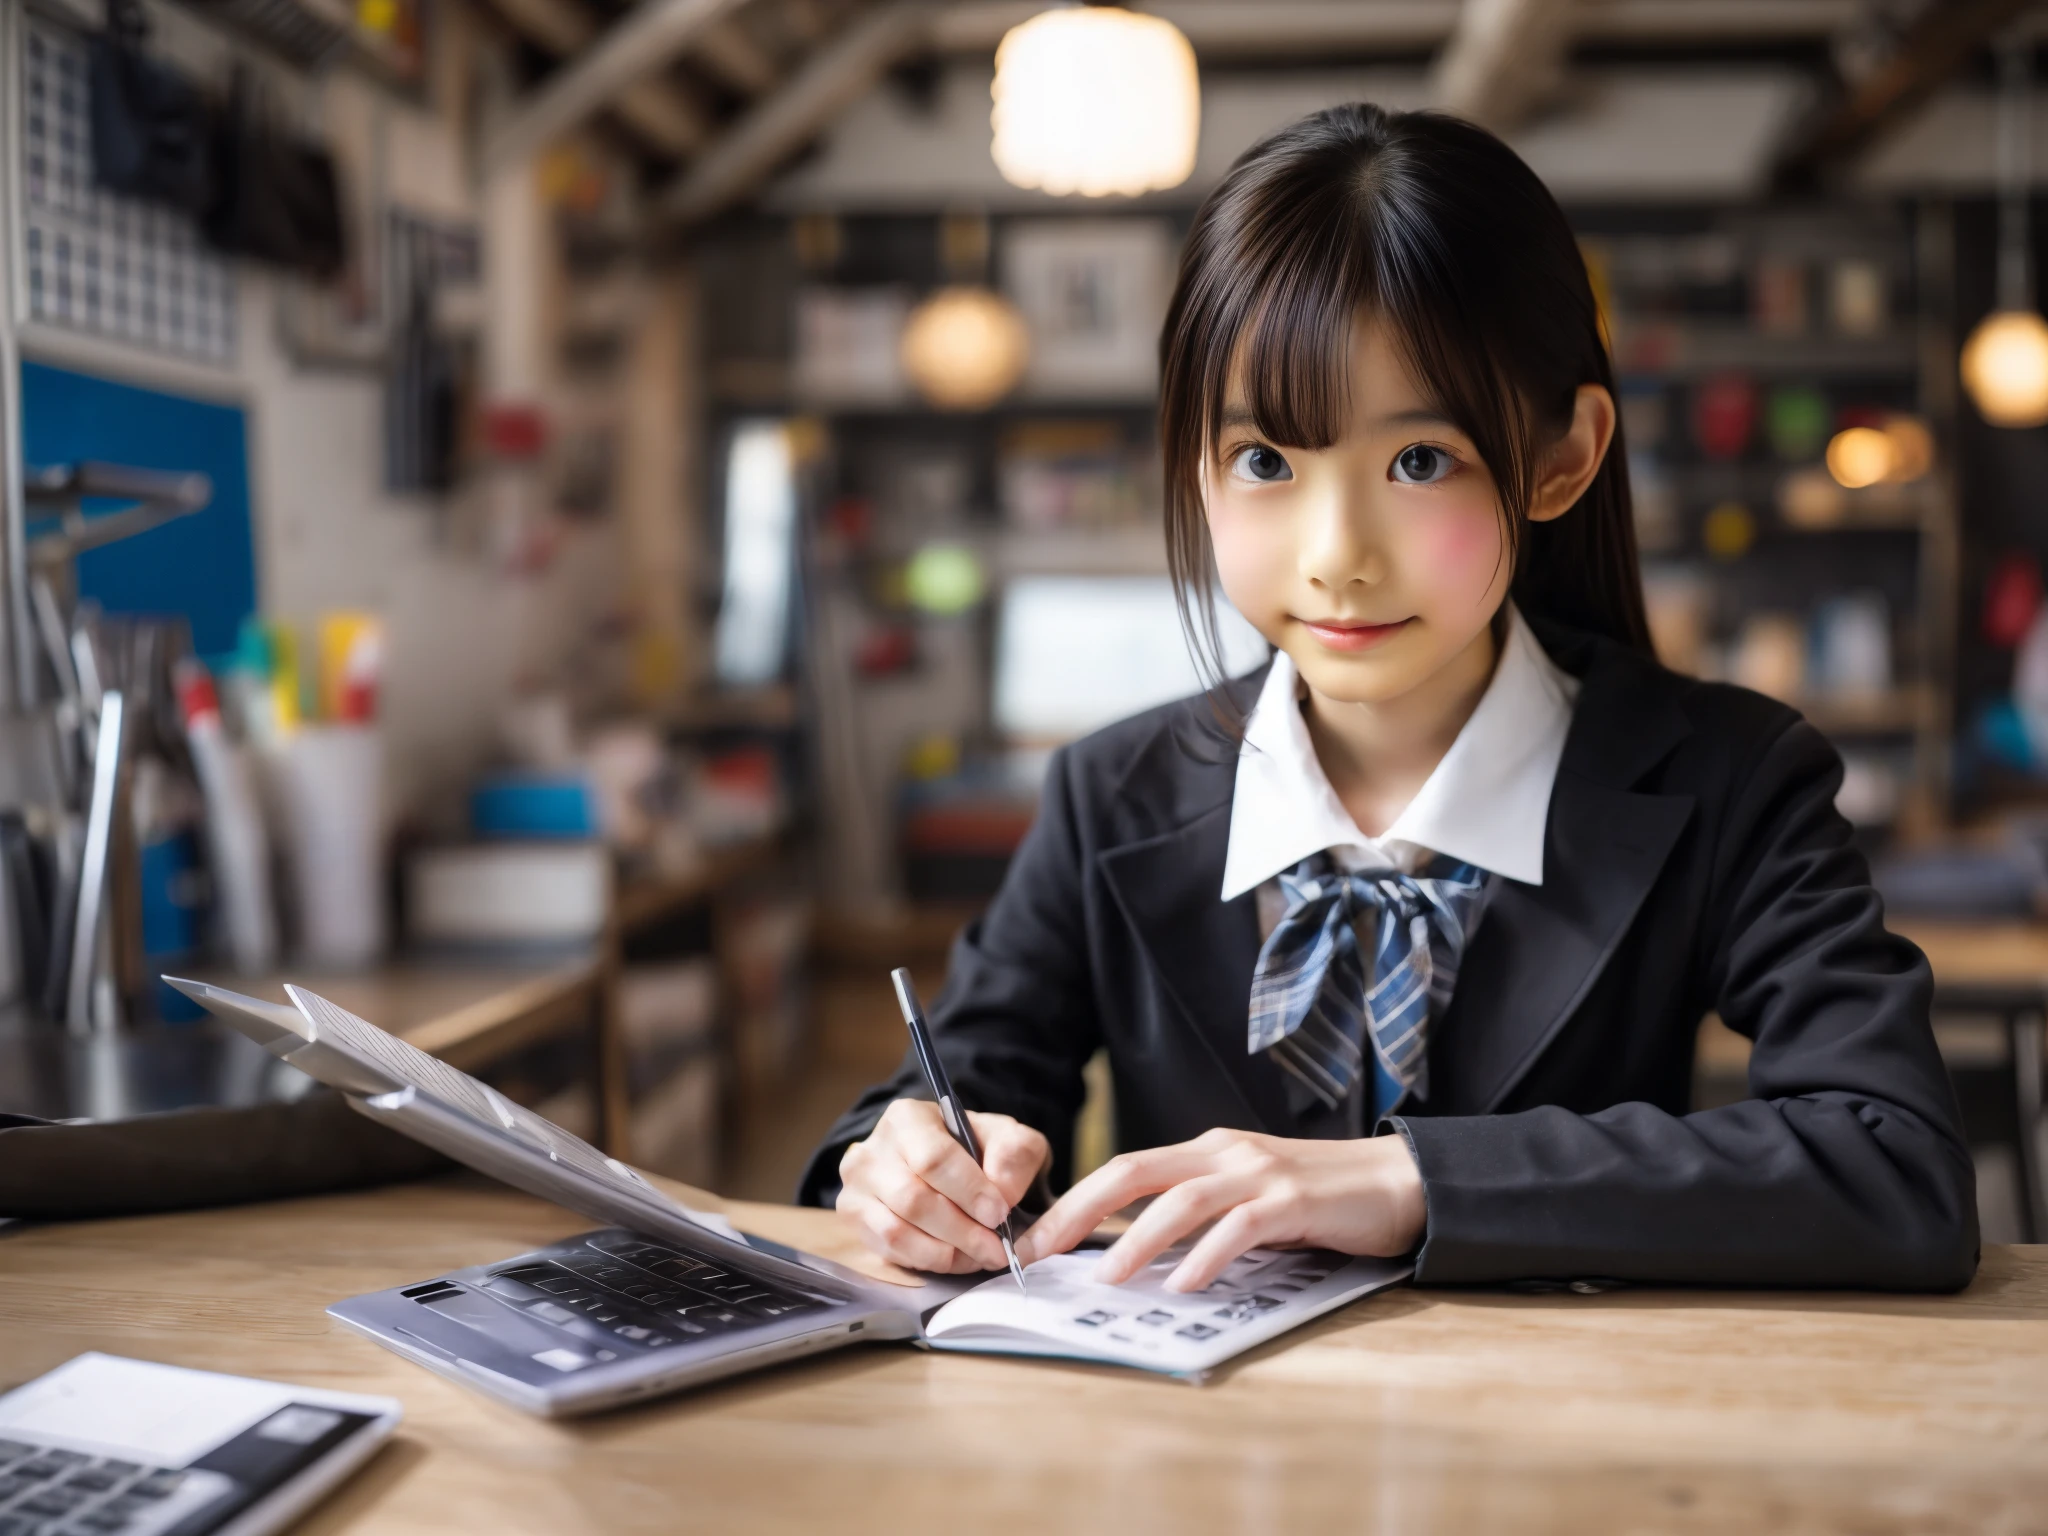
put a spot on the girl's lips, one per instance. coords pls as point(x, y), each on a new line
point(1353, 637)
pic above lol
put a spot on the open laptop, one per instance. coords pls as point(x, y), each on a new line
point(106, 1446)
point(664, 1297)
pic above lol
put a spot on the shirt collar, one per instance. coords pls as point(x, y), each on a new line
point(1486, 803)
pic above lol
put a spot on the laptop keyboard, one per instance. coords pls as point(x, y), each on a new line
point(646, 1295)
point(46, 1490)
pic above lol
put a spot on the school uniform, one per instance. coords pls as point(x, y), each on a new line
point(1647, 848)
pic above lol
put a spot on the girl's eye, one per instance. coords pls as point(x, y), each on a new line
point(1420, 464)
point(1261, 465)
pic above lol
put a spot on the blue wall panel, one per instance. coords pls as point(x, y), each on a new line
point(202, 566)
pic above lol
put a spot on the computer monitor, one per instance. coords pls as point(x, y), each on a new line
point(1074, 653)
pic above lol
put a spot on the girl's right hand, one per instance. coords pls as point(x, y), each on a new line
point(917, 1198)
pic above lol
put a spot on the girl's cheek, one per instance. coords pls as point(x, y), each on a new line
point(1250, 560)
point(1460, 556)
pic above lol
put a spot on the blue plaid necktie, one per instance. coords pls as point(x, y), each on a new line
point(1312, 1009)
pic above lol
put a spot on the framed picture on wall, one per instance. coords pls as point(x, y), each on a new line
point(1092, 292)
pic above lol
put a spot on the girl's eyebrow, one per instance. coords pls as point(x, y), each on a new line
point(1421, 417)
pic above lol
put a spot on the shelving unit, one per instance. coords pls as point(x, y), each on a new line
point(1706, 299)
point(1697, 296)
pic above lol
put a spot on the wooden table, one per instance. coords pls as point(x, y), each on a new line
point(1412, 1411)
point(469, 1015)
point(2002, 968)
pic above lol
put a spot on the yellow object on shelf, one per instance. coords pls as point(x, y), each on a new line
point(351, 664)
point(1729, 531)
point(287, 677)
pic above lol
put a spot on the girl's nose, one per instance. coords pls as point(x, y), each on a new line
point(1337, 547)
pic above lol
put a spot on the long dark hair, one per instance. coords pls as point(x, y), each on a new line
point(1442, 232)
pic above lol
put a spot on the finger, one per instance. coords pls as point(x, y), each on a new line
point(897, 1240)
point(1109, 1189)
point(928, 1149)
point(1167, 1220)
point(1246, 1227)
point(906, 1195)
point(1011, 1154)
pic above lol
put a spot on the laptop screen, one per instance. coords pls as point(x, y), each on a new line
point(1074, 653)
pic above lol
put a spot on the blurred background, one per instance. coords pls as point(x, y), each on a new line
point(573, 527)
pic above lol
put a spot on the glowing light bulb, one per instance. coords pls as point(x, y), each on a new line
point(1859, 456)
point(2005, 368)
point(964, 348)
point(1912, 445)
point(1096, 100)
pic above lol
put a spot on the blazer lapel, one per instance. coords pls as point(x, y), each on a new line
point(1202, 950)
point(1539, 949)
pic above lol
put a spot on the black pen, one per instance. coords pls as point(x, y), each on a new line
point(942, 1089)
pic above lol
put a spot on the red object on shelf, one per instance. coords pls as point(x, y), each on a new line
point(198, 699)
point(1724, 411)
point(979, 826)
point(885, 650)
point(2012, 596)
point(852, 518)
point(515, 431)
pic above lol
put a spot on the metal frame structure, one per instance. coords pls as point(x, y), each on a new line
point(19, 670)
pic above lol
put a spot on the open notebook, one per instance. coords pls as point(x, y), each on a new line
point(668, 1296)
point(1141, 1323)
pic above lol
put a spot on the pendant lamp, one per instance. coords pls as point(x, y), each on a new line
point(1095, 100)
point(2005, 361)
point(964, 347)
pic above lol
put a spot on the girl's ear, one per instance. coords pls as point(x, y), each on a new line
point(1570, 463)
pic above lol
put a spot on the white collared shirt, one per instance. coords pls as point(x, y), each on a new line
point(1486, 803)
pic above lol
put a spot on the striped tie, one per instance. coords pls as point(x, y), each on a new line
point(1310, 980)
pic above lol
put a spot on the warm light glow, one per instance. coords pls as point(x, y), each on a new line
point(964, 348)
point(1858, 457)
point(1096, 100)
point(2005, 368)
point(1912, 445)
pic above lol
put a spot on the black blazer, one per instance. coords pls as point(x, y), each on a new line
point(1694, 860)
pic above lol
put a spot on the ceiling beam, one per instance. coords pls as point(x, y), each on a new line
point(1234, 29)
point(831, 80)
point(1937, 44)
point(651, 35)
point(740, 62)
point(658, 112)
point(1503, 59)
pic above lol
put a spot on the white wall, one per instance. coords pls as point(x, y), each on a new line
point(1663, 133)
point(463, 632)
point(1644, 133)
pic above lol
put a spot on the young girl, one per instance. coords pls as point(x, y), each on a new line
point(1402, 943)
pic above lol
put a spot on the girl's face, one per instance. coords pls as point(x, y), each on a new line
point(1374, 563)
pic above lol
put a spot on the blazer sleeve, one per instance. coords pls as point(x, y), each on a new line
point(1016, 1022)
point(1848, 1167)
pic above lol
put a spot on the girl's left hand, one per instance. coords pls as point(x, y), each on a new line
point(1362, 1197)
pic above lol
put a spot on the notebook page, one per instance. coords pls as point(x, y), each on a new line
point(1062, 1311)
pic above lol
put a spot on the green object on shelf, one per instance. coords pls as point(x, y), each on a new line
point(1796, 419)
point(944, 579)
